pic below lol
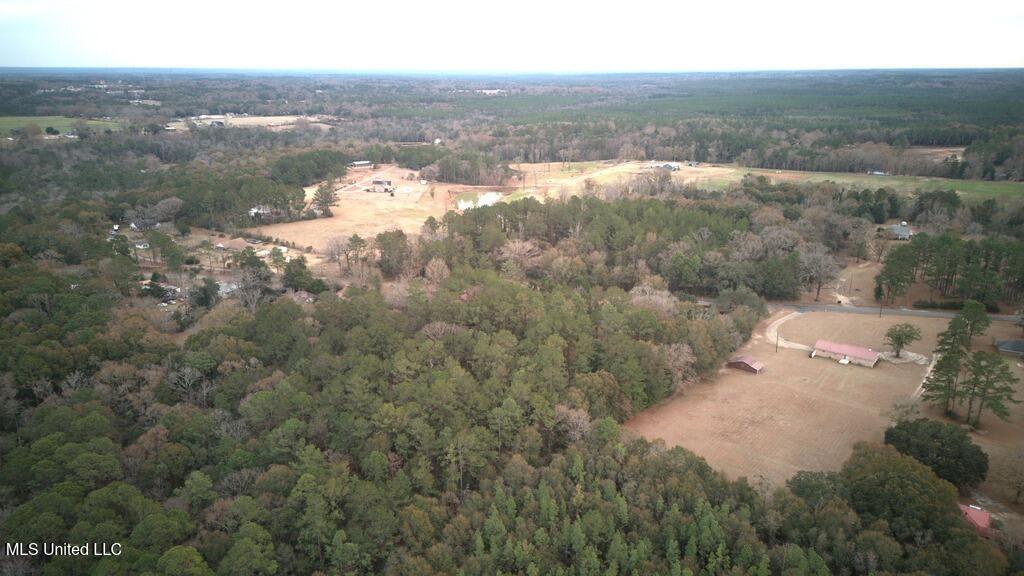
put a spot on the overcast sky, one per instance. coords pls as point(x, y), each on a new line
point(521, 36)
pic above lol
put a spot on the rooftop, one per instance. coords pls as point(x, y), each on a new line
point(749, 361)
point(901, 230)
point(1015, 346)
point(975, 515)
point(851, 350)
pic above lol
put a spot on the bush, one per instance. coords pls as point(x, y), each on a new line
point(729, 299)
point(990, 307)
point(945, 448)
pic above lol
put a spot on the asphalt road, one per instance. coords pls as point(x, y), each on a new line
point(804, 307)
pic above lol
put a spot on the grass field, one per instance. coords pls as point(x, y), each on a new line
point(62, 123)
point(974, 189)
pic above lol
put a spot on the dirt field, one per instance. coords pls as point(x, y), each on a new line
point(556, 179)
point(856, 283)
point(549, 180)
point(800, 413)
point(935, 154)
point(369, 213)
point(271, 122)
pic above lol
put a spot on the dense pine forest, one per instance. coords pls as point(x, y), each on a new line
point(451, 401)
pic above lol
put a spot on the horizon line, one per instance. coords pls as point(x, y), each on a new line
point(495, 72)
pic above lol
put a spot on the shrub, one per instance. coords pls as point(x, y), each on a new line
point(945, 448)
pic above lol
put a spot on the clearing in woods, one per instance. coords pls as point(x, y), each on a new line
point(806, 414)
point(62, 123)
point(558, 178)
point(368, 213)
point(274, 123)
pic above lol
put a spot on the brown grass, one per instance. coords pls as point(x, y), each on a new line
point(803, 413)
point(369, 213)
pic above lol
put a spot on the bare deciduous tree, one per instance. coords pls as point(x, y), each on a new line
point(437, 330)
point(252, 283)
point(680, 359)
point(238, 482)
point(573, 422)
point(520, 252)
point(816, 266)
point(661, 302)
point(191, 386)
point(74, 381)
point(337, 251)
point(436, 271)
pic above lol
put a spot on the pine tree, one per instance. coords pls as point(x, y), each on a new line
point(940, 388)
point(942, 385)
point(325, 197)
point(975, 318)
point(990, 384)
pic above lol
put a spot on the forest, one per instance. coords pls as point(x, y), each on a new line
point(454, 403)
point(826, 121)
point(470, 425)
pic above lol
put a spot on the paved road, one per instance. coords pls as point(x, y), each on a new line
point(806, 307)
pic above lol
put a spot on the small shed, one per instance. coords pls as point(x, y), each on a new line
point(260, 210)
point(978, 518)
point(1011, 347)
point(900, 231)
point(746, 363)
point(382, 185)
point(846, 353)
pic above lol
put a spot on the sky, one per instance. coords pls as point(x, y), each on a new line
point(526, 36)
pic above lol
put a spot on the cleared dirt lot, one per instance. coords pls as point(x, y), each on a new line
point(935, 153)
point(364, 213)
point(856, 283)
point(369, 213)
point(556, 179)
point(800, 413)
point(270, 122)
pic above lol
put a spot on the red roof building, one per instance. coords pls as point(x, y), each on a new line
point(846, 353)
point(978, 518)
point(746, 363)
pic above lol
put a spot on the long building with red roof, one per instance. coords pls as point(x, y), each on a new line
point(846, 353)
